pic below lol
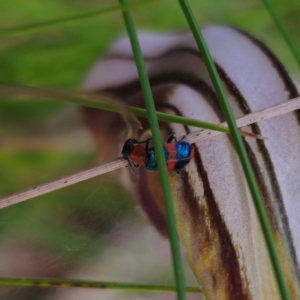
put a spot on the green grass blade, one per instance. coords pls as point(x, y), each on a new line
point(296, 5)
point(283, 29)
point(66, 283)
point(177, 265)
point(25, 29)
point(99, 102)
point(182, 120)
point(284, 291)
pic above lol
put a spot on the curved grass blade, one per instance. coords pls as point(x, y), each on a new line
point(161, 161)
point(284, 291)
point(283, 30)
point(66, 283)
point(25, 29)
point(106, 102)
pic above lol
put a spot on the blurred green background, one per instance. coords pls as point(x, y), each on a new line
point(89, 230)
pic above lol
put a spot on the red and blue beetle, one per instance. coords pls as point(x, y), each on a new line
point(178, 154)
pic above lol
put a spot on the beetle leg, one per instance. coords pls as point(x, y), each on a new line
point(132, 165)
point(171, 138)
point(142, 142)
point(147, 143)
point(177, 171)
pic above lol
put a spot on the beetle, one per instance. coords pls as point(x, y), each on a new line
point(177, 153)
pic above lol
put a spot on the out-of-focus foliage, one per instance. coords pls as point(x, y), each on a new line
point(40, 141)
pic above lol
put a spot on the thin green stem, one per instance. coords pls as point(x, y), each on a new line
point(283, 29)
point(171, 222)
point(182, 120)
point(66, 283)
point(99, 101)
point(284, 291)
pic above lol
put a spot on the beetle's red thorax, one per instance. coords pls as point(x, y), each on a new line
point(138, 154)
